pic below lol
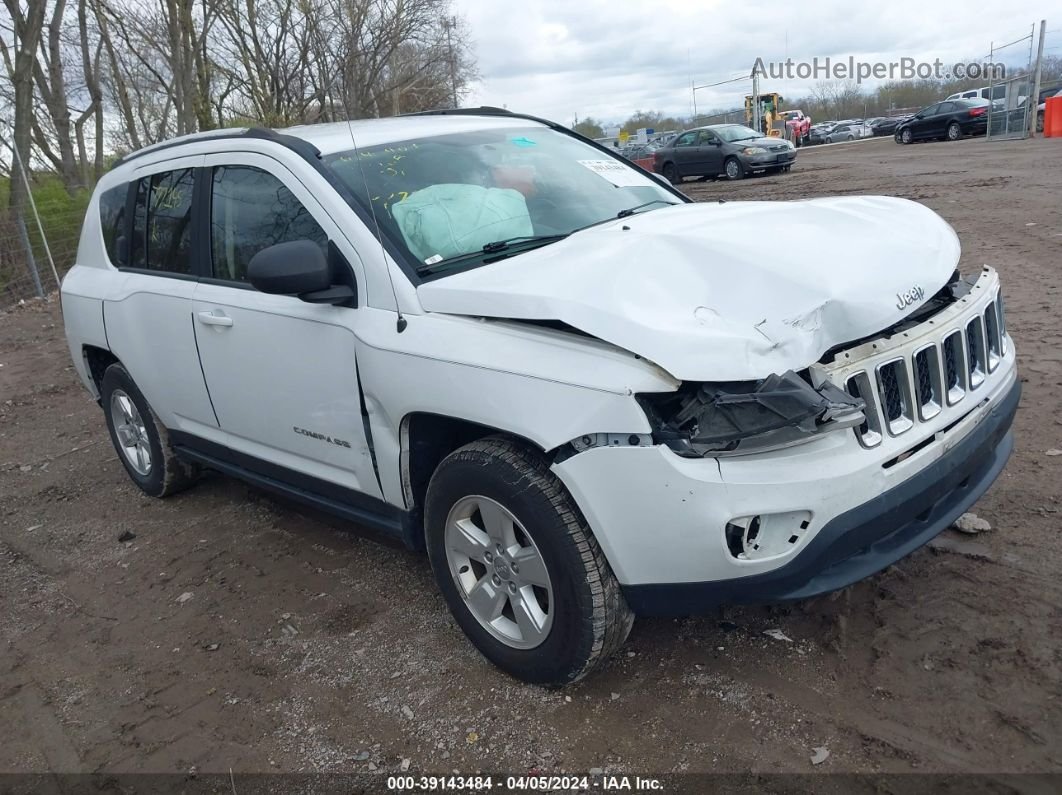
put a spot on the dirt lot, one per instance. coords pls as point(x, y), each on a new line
point(308, 646)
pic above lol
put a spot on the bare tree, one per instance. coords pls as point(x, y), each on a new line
point(20, 59)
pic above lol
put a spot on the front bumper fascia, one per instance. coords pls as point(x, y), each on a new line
point(866, 539)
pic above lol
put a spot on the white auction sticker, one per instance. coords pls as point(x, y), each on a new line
point(617, 173)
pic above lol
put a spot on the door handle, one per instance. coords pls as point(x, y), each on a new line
point(210, 319)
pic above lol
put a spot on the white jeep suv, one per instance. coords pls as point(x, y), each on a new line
point(585, 396)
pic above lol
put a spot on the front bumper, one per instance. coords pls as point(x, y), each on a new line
point(865, 539)
point(768, 160)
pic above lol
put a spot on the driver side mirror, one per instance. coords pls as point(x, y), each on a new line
point(299, 267)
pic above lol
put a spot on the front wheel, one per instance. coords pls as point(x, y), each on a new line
point(954, 132)
point(906, 137)
point(520, 570)
point(734, 169)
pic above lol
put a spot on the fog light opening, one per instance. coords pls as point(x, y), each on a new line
point(766, 535)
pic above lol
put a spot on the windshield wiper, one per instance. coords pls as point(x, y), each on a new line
point(632, 210)
point(494, 247)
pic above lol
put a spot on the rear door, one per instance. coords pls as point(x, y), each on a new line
point(149, 315)
point(945, 113)
point(686, 153)
point(282, 373)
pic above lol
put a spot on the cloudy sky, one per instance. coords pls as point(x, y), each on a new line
point(559, 58)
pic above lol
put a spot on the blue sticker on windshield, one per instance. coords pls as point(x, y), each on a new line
point(521, 141)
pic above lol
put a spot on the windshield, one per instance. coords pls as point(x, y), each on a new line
point(452, 202)
point(736, 132)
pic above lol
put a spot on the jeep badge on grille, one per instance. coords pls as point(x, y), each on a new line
point(905, 299)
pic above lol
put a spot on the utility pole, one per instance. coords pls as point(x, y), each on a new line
point(1033, 100)
point(756, 122)
point(449, 23)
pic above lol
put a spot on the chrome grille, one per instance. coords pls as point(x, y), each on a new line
point(894, 394)
point(916, 387)
point(992, 335)
point(928, 375)
point(976, 357)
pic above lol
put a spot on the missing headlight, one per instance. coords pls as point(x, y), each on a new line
point(741, 417)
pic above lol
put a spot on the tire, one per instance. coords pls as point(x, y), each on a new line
point(734, 169)
point(954, 131)
point(906, 137)
point(670, 173)
point(580, 617)
point(141, 441)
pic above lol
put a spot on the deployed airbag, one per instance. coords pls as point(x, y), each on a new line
point(448, 220)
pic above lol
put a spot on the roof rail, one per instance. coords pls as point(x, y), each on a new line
point(486, 110)
point(299, 145)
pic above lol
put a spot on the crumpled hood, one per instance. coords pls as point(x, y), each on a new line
point(723, 291)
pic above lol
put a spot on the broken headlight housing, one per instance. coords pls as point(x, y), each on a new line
point(742, 417)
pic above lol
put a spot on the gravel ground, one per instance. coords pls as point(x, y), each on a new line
point(236, 632)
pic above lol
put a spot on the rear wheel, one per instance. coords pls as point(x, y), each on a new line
point(142, 441)
point(521, 572)
point(954, 131)
point(734, 169)
point(671, 173)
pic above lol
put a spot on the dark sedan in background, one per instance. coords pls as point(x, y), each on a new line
point(951, 119)
point(733, 150)
point(887, 125)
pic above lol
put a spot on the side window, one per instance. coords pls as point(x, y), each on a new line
point(686, 139)
point(251, 210)
point(112, 224)
point(162, 222)
point(706, 138)
point(946, 107)
point(932, 110)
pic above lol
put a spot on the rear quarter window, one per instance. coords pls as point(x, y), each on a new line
point(112, 224)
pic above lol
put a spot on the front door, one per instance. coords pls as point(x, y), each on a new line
point(711, 153)
point(282, 373)
point(922, 124)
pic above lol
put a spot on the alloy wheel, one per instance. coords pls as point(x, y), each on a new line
point(131, 432)
point(499, 572)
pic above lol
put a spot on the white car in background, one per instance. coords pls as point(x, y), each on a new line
point(586, 397)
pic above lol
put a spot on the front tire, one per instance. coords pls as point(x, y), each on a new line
point(520, 570)
point(906, 137)
point(734, 169)
point(141, 441)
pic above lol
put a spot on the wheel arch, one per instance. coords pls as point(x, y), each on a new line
point(97, 360)
point(426, 439)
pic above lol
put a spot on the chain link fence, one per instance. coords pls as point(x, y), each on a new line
point(39, 237)
point(1008, 115)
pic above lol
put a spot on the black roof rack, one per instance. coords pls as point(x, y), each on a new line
point(299, 145)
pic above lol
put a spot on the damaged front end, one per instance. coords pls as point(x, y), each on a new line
point(711, 419)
